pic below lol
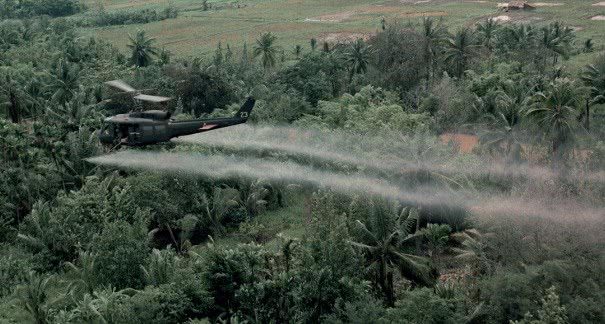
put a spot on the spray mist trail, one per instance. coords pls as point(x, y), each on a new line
point(221, 166)
point(366, 152)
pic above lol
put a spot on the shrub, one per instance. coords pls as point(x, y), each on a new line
point(424, 306)
point(163, 304)
point(14, 266)
point(60, 231)
point(121, 250)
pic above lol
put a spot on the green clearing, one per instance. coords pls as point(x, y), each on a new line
point(196, 32)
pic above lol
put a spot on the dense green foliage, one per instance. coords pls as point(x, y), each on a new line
point(83, 243)
point(31, 8)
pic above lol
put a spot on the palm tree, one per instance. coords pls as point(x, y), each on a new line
point(142, 48)
point(253, 197)
point(217, 208)
point(588, 46)
point(313, 43)
point(265, 47)
point(244, 60)
point(165, 56)
point(434, 35)
point(557, 40)
point(65, 81)
point(460, 50)
point(517, 40)
point(161, 268)
point(473, 248)
point(555, 110)
point(14, 95)
point(357, 57)
point(84, 274)
point(297, 51)
point(33, 297)
point(326, 47)
point(382, 239)
point(510, 103)
point(594, 77)
point(486, 32)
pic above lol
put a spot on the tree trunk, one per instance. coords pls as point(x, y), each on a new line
point(587, 115)
point(13, 108)
point(386, 283)
point(557, 151)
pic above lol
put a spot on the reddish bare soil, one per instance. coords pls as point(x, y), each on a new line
point(465, 142)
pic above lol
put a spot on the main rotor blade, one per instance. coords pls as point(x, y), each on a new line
point(120, 85)
point(154, 99)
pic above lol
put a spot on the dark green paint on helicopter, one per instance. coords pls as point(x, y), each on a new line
point(155, 126)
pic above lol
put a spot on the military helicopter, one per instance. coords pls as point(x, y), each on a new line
point(147, 127)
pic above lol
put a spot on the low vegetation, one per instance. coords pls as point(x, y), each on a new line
point(87, 243)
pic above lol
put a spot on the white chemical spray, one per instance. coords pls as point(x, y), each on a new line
point(397, 155)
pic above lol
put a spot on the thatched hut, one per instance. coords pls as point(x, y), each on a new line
point(516, 5)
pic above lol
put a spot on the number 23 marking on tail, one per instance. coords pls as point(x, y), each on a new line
point(243, 114)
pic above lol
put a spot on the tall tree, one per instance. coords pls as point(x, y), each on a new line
point(245, 59)
point(357, 57)
point(266, 49)
point(433, 34)
point(557, 40)
point(143, 49)
point(460, 50)
point(555, 110)
point(382, 238)
point(486, 32)
point(313, 43)
point(510, 103)
point(65, 82)
point(218, 55)
point(594, 77)
point(13, 95)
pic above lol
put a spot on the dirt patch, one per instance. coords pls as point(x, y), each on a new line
point(132, 4)
point(597, 18)
point(422, 1)
point(375, 9)
point(546, 4)
point(423, 14)
point(337, 17)
point(465, 142)
point(343, 37)
point(601, 4)
point(502, 18)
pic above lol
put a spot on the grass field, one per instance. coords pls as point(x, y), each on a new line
point(196, 32)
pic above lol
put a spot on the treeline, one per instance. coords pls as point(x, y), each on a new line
point(80, 243)
point(103, 18)
point(31, 8)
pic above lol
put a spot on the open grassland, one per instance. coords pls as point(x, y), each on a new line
point(196, 32)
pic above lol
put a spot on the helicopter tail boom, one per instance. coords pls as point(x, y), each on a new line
point(244, 111)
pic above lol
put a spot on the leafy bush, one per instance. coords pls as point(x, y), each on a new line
point(60, 231)
point(128, 17)
point(510, 295)
point(424, 306)
point(227, 270)
point(15, 264)
point(121, 250)
point(163, 304)
point(371, 110)
point(31, 8)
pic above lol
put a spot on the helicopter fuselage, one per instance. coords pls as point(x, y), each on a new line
point(155, 126)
